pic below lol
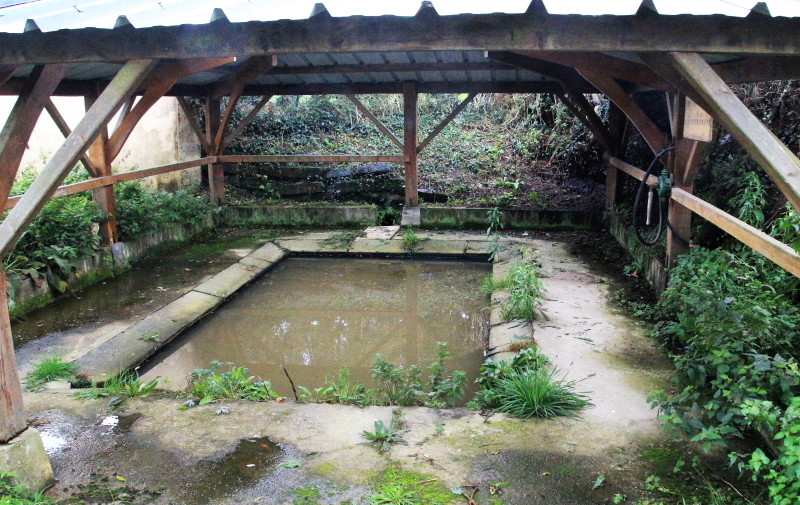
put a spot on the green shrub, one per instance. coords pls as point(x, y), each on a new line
point(141, 211)
point(735, 326)
point(120, 387)
point(208, 385)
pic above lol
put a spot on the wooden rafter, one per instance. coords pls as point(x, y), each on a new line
point(109, 102)
point(189, 113)
point(759, 68)
point(762, 145)
point(123, 113)
point(446, 121)
point(611, 88)
point(241, 125)
point(563, 74)
point(65, 130)
point(156, 86)
point(599, 63)
point(390, 67)
point(661, 65)
point(233, 88)
point(22, 120)
point(377, 122)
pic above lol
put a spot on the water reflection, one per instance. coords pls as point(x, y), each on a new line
point(315, 315)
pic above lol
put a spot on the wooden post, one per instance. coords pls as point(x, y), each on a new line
point(684, 162)
point(617, 123)
point(12, 413)
point(216, 171)
point(103, 197)
point(410, 143)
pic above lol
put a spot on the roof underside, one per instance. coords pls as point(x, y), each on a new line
point(447, 47)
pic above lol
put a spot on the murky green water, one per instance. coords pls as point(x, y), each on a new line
point(316, 315)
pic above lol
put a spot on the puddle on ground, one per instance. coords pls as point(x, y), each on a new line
point(316, 315)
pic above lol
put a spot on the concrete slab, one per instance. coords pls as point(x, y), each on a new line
point(503, 335)
point(25, 456)
point(227, 282)
point(381, 232)
point(255, 263)
point(268, 252)
point(442, 247)
point(129, 348)
point(313, 246)
point(189, 307)
point(367, 245)
point(476, 247)
point(411, 217)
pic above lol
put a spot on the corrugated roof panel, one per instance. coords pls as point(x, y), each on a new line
point(370, 58)
point(397, 57)
point(359, 77)
point(200, 79)
point(481, 75)
point(406, 76)
point(315, 59)
point(454, 76)
point(423, 57)
point(343, 58)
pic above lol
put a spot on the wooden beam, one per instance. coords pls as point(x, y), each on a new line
point(250, 70)
point(513, 32)
point(156, 85)
point(762, 145)
point(110, 180)
point(446, 121)
point(759, 69)
point(617, 126)
point(233, 88)
point(6, 74)
point(778, 252)
point(583, 110)
point(176, 70)
point(109, 102)
point(377, 122)
point(189, 113)
point(635, 172)
point(661, 65)
point(410, 143)
point(564, 75)
point(599, 63)
point(241, 125)
point(12, 411)
point(123, 113)
point(22, 120)
point(309, 158)
point(611, 88)
point(382, 68)
point(80, 88)
point(65, 130)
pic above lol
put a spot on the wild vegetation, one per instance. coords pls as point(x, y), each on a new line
point(525, 290)
point(526, 386)
point(67, 227)
point(501, 150)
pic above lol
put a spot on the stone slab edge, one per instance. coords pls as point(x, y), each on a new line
point(25, 456)
point(503, 333)
point(130, 347)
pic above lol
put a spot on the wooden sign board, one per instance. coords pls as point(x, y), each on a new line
point(697, 123)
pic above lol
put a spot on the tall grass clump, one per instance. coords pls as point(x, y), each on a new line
point(47, 370)
point(526, 386)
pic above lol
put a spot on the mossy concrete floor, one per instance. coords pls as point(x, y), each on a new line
point(195, 456)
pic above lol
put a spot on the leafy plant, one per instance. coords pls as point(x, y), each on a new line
point(208, 385)
point(19, 495)
point(411, 240)
point(384, 435)
point(120, 387)
point(47, 370)
point(407, 386)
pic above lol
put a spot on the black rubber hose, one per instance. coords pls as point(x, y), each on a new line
point(661, 210)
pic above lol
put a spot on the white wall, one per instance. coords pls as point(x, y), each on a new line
point(162, 136)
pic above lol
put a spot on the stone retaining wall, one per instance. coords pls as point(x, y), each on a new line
point(475, 218)
point(654, 271)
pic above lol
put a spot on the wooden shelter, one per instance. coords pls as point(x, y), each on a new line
point(126, 55)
